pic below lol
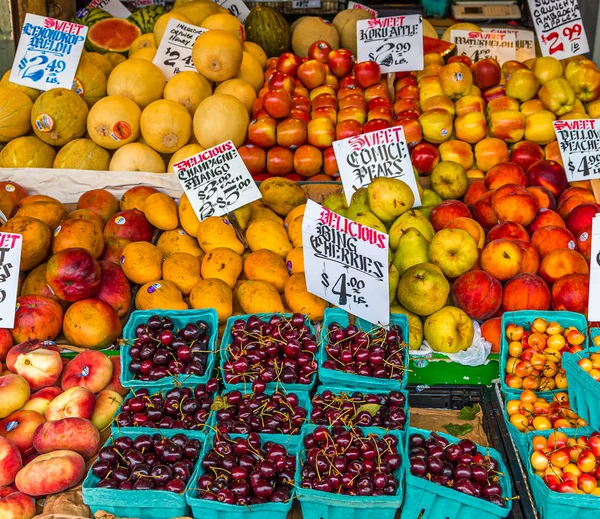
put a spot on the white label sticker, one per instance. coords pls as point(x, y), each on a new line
point(382, 153)
point(525, 42)
point(216, 181)
point(395, 43)
point(236, 7)
point(482, 45)
point(347, 262)
point(113, 7)
point(559, 28)
point(594, 299)
point(48, 53)
point(306, 4)
point(579, 143)
point(356, 5)
point(174, 54)
point(10, 261)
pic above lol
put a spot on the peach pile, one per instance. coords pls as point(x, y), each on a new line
point(568, 465)
point(533, 413)
point(535, 356)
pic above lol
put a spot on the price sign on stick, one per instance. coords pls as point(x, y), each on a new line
point(347, 262)
point(236, 7)
point(525, 42)
point(216, 181)
point(559, 28)
point(356, 5)
point(48, 53)
point(10, 260)
point(382, 153)
point(594, 300)
point(579, 143)
point(395, 43)
point(174, 53)
point(482, 45)
point(113, 7)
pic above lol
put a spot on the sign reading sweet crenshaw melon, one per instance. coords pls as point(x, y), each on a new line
point(347, 262)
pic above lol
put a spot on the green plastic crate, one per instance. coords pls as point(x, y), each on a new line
point(584, 391)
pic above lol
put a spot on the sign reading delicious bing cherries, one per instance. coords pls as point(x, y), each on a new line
point(594, 300)
point(559, 28)
point(579, 143)
point(216, 181)
point(348, 263)
point(394, 43)
point(10, 261)
point(382, 153)
point(482, 45)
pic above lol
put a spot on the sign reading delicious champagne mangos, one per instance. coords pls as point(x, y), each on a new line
point(10, 261)
point(579, 143)
point(382, 153)
point(347, 262)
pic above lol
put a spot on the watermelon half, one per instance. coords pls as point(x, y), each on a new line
point(112, 35)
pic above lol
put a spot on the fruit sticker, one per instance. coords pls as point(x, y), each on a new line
point(44, 123)
point(9, 187)
point(57, 231)
point(78, 87)
point(153, 288)
point(120, 220)
point(121, 131)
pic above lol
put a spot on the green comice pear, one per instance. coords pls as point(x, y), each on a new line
point(413, 218)
point(415, 326)
point(413, 248)
point(359, 203)
point(429, 199)
point(389, 198)
point(370, 220)
point(393, 280)
point(336, 202)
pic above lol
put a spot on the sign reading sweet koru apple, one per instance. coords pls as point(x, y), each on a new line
point(479, 45)
point(216, 181)
point(559, 28)
point(382, 153)
point(579, 143)
point(395, 42)
point(174, 53)
point(10, 261)
point(594, 299)
point(346, 263)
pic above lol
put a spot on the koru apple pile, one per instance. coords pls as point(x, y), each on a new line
point(281, 349)
point(278, 413)
point(591, 365)
point(359, 409)
point(568, 465)
point(455, 465)
point(345, 461)
point(535, 355)
point(177, 408)
point(147, 463)
point(160, 351)
point(241, 471)
point(377, 353)
point(533, 413)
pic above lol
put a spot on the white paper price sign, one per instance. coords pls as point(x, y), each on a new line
point(482, 45)
point(216, 181)
point(594, 298)
point(10, 260)
point(382, 153)
point(579, 143)
point(356, 5)
point(559, 28)
point(48, 53)
point(174, 54)
point(348, 263)
point(113, 7)
point(395, 43)
point(306, 4)
point(525, 42)
point(236, 7)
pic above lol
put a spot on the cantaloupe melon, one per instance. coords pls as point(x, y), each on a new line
point(27, 152)
point(32, 93)
point(137, 79)
point(225, 22)
point(145, 41)
point(251, 71)
point(100, 60)
point(219, 118)
point(217, 55)
point(137, 157)
point(114, 58)
point(147, 54)
point(58, 116)
point(256, 51)
point(15, 113)
point(345, 23)
point(166, 125)
point(189, 150)
point(199, 10)
point(82, 154)
point(89, 83)
point(113, 122)
point(311, 29)
point(189, 89)
point(161, 24)
point(240, 89)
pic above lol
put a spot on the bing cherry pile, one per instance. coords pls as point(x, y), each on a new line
point(242, 472)
point(160, 351)
point(281, 349)
point(361, 409)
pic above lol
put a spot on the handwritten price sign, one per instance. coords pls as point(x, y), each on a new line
point(395, 43)
point(48, 53)
point(236, 7)
point(483, 45)
point(355, 5)
point(216, 181)
point(348, 263)
point(113, 7)
point(579, 143)
point(10, 261)
point(559, 28)
point(525, 42)
point(174, 54)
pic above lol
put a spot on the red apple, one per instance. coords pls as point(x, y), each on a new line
point(263, 132)
point(130, 224)
point(277, 103)
point(288, 63)
point(321, 132)
point(379, 102)
point(424, 158)
point(461, 59)
point(493, 92)
point(291, 133)
point(281, 81)
point(280, 161)
point(301, 103)
point(324, 101)
point(486, 73)
point(478, 294)
point(312, 74)
point(347, 128)
point(548, 174)
point(367, 73)
point(300, 114)
point(348, 81)
point(380, 124)
point(319, 50)
point(582, 216)
point(525, 153)
point(340, 62)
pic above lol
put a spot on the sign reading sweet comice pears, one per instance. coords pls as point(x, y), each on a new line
point(346, 263)
point(48, 53)
point(10, 261)
point(579, 143)
point(216, 181)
